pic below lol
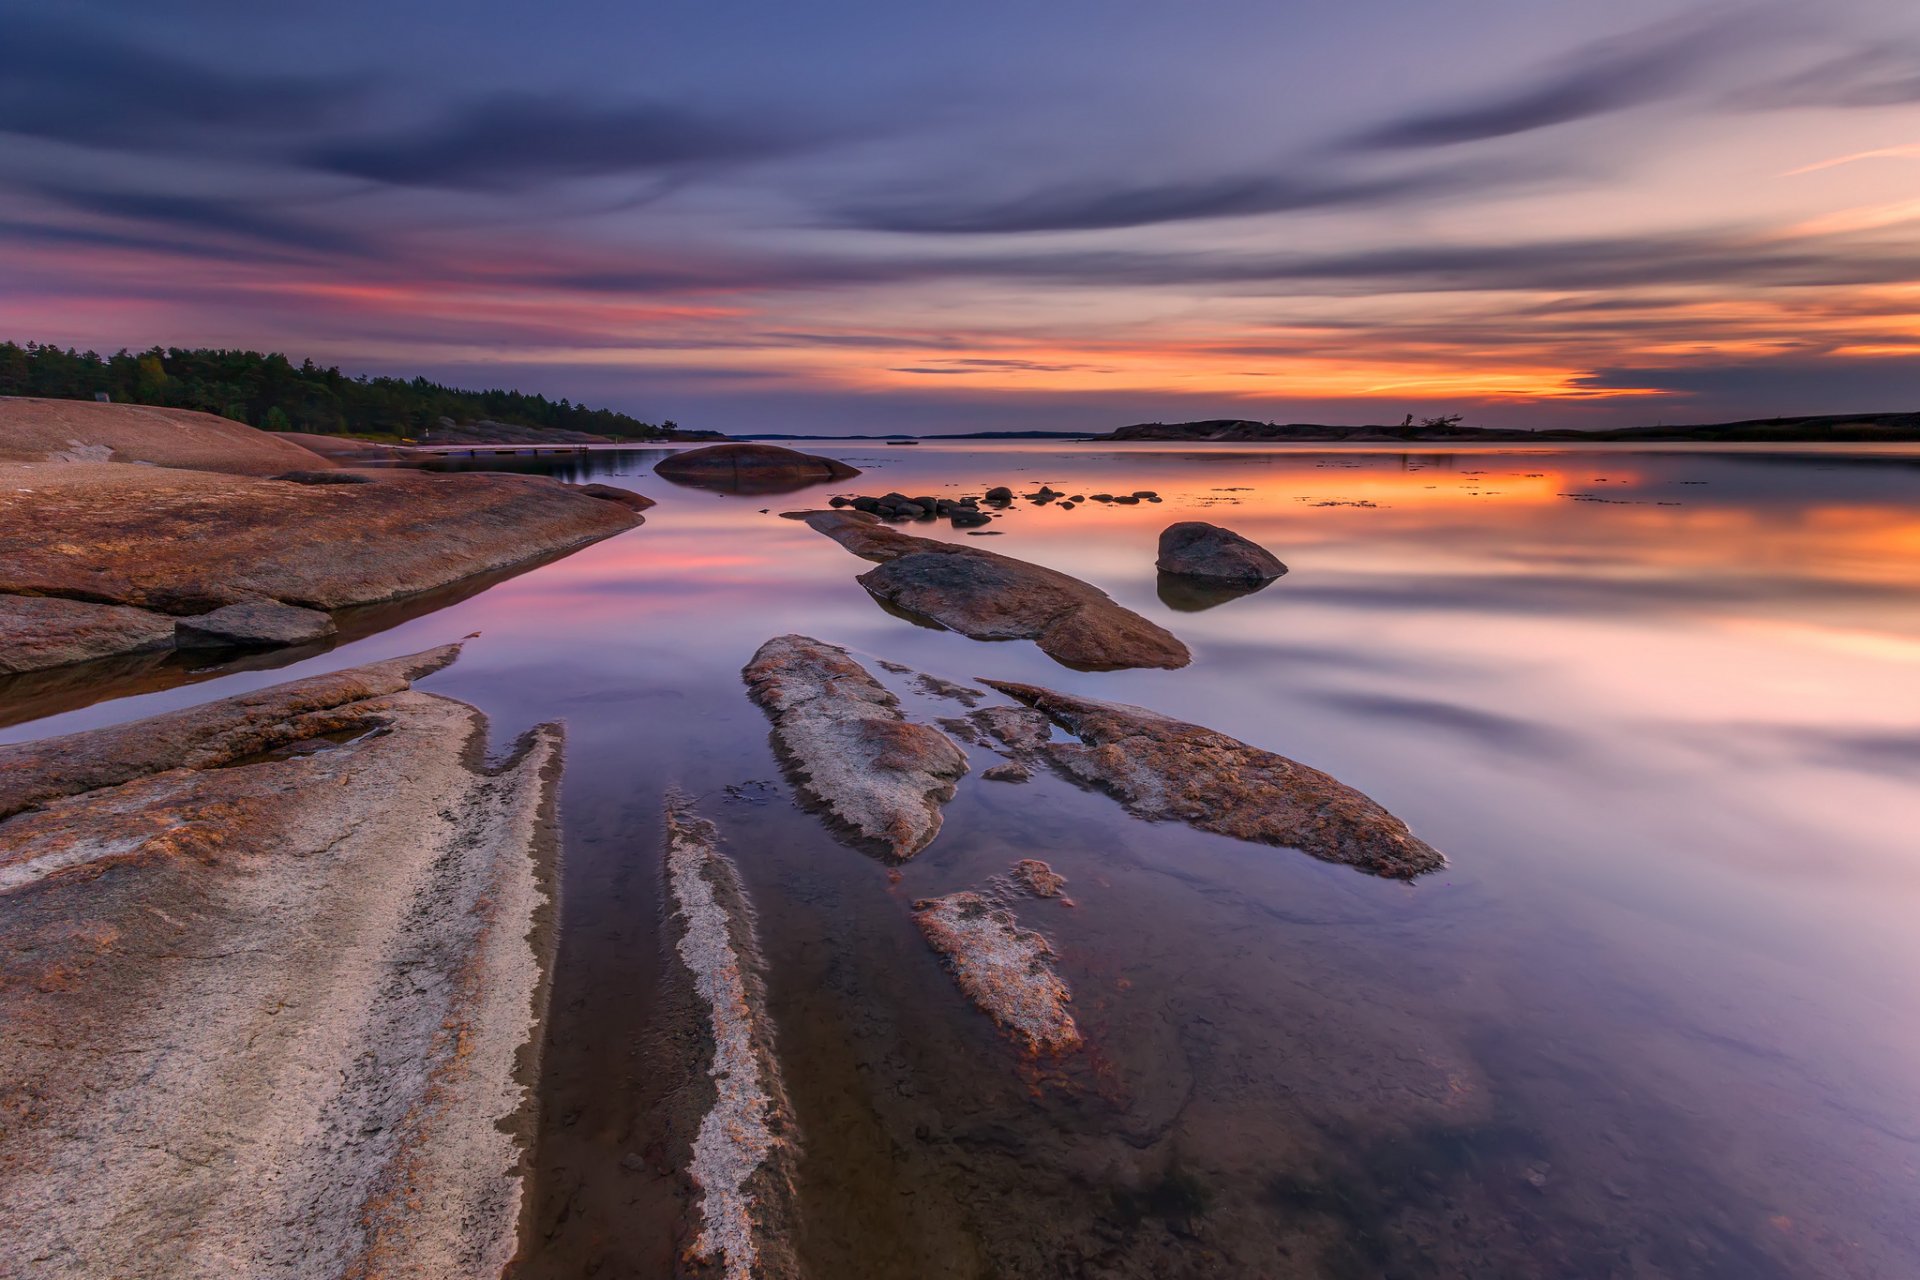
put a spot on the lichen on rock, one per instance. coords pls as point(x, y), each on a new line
point(1005, 970)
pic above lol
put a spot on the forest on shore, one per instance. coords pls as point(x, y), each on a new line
point(271, 392)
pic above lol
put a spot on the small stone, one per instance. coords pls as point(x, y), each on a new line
point(1011, 771)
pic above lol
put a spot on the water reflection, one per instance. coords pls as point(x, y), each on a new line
point(1659, 708)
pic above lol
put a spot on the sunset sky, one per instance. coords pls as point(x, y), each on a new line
point(856, 217)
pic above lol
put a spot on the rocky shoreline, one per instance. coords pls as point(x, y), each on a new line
point(273, 972)
point(131, 531)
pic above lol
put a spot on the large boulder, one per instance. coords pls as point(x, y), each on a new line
point(751, 468)
point(1196, 549)
point(34, 430)
point(995, 597)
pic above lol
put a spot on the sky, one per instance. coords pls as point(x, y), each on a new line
point(841, 217)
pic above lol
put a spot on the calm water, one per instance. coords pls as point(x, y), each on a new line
point(1661, 709)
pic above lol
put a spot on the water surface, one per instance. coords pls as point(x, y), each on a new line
point(1659, 708)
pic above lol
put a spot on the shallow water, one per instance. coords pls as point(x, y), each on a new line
point(1659, 708)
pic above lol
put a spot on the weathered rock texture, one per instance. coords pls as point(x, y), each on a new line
point(752, 468)
point(256, 623)
point(346, 449)
point(995, 597)
point(37, 632)
point(85, 431)
point(1005, 970)
point(1196, 549)
point(844, 736)
point(744, 1153)
point(1163, 768)
point(278, 1018)
point(185, 542)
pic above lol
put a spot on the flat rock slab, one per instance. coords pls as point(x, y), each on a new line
point(256, 624)
point(186, 542)
point(1162, 768)
point(37, 632)
point(744, 1151)
point(843, 734)
point(1005, 970)
point(1196, 549)
point(277, 1018)
point(35, 430)
point(994, 597)
point(751, 468)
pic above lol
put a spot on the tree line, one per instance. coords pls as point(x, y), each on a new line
point(270, 391)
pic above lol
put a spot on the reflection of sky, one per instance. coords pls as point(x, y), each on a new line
point(851, 215)
point(1669, 749)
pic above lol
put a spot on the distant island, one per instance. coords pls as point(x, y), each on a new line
point(1852, 428)
point(273, 393)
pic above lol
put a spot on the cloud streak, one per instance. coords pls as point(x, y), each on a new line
point(514, 142)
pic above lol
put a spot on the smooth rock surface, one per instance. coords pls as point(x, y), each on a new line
point(1196, 549)
point(1162, 768)
point(34, 430)
point(257, 624)
point(276, 1019)
point(1005, 970)
point(37, 632)
point(852, 750)
point(185, 542)
point(751, 468)
point(995, 597)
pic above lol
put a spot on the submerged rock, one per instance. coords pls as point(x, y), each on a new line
point(844, 736)
point(258, 624)
point(1005, 970)
point(1196, 549)
point(1037, 878)
point(1162, 768)
point(994, 597)
point(1011, 771)
point(273, 1018)
point(751, 468)
point(744, 1151)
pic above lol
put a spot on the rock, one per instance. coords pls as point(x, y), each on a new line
point(1006, 971)
point(1000, 494)
point(346, 448)
point(1161, 768)
point(743, 1155)
point(1037, 878)
point(33, 430)
point(210, 736)
point(751, 468)
point(258, 624)
point(613, 493)
point(969, 518)
point(1011, 771)
point(185, 542)
point(1103, 497)
point(1127, 500)
point(994, 597)
point(1145, 493)
point(269, 1019)
point(840, 500)
point(936, 687)
point(1196, 549)
point(1020, 729)
point(851, 749)
point(324, 477)
point(37, 632)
